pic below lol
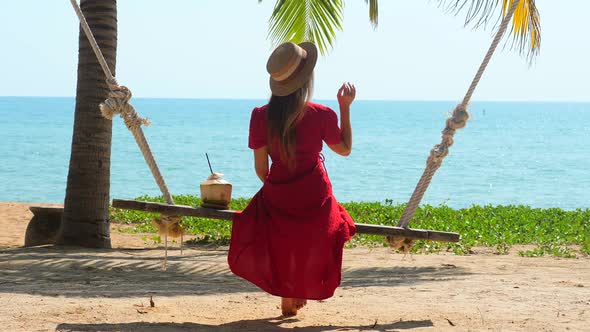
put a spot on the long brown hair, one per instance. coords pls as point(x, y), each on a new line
point(284, 112)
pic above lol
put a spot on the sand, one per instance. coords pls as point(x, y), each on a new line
point(74, 289)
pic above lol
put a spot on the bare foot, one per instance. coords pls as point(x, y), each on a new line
point(300, 303)
point(289, 306)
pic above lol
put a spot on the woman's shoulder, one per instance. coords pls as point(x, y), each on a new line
point(260, 109)
point(319, 108)
point(259, 113)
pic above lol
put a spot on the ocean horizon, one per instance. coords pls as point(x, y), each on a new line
point(510, 153)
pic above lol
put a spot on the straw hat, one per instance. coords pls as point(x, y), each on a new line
point(290, 67)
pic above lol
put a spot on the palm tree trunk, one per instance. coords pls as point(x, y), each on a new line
point(85, 219)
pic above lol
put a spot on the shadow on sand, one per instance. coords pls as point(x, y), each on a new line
point(79, 272)
point(271, 324)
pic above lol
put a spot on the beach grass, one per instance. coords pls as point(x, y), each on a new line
point(553, 231)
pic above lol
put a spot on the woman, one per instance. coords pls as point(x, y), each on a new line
point(289, 239)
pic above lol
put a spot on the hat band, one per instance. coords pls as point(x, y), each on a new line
point(293, 65)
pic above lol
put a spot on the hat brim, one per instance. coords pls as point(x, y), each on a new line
point(285, 88)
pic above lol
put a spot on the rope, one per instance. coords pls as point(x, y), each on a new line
point(457, 120)
point(118, 103)
point(97, 51)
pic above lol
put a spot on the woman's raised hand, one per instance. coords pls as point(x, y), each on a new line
point(346, 95)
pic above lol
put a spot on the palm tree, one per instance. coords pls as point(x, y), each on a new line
point(319, 20)
point(85, 221)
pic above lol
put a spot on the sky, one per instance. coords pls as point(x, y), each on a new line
point(219, 49)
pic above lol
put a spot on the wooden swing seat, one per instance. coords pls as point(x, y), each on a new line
point(184, 210)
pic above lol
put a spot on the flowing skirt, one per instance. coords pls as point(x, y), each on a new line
point(289, 239)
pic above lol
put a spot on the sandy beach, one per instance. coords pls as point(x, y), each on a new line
point(75, 289)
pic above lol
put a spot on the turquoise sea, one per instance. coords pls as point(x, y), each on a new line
point(532, 153)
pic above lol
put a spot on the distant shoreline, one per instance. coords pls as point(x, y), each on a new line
point(326, 100)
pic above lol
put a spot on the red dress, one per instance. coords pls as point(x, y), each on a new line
point(289, 239)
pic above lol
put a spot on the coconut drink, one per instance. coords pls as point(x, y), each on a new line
point(216, 192)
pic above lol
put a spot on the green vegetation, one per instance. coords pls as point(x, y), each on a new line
point(554, 231)
point(550, 249)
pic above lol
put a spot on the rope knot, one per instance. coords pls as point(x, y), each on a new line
point(448, 140)
point(459, 118)
point(118, 103)
point(448, 132)
point(401, 244)
point(438, 153)
point(168, 225)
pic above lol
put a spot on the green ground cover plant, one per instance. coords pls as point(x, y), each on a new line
point(554, 231)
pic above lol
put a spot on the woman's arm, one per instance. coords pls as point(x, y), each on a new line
point(261, 162)
point(345, 96)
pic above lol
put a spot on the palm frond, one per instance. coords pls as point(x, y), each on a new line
point(306, 20)
point(373, 12)
point(526, 24)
